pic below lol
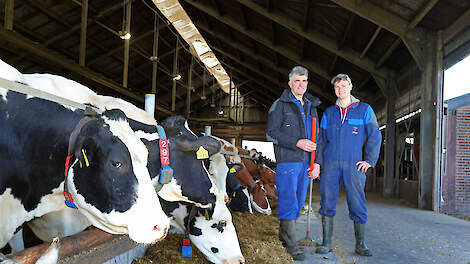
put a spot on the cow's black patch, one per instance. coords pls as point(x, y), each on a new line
point(214, 250)
point(220, 226)
point(168, 207)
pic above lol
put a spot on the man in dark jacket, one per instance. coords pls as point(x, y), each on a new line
point(290, 129)
point(346, 128)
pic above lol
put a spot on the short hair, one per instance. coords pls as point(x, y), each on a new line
point(298, 70)
point(340, 77)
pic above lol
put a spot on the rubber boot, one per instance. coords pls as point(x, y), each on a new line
point(287, 236)
point(327, 226)
point(361, 247)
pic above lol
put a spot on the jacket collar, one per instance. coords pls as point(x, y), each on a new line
point(313, 99)
point(353, 100)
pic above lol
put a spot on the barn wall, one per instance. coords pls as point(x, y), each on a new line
point(462, 158)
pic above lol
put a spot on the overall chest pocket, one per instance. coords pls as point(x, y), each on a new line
point(357, 126)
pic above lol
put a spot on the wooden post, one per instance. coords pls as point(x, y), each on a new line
point(81, 59)
point(9, 9)
point(190, 86)
point(175, 72)
point(126, 46)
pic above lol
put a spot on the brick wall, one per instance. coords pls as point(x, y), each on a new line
point(462, 161)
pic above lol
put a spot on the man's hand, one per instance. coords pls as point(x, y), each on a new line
point(363, 166)
point(315, 174)
point(306, 145)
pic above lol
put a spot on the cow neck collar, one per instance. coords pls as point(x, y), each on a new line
point(89, 115)
point(166, 172)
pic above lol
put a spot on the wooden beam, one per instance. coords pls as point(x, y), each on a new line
point(289, 53)
point(306, 19)
point(371, 40)
point(414, 39)
point(388, 53)
point(422, 13)
point(37, 50)
point(265, 61)
point(461, 23)
point(83, 27)
point(346, 31)
point(9, 14)
point(315, 37)
point(125, 70)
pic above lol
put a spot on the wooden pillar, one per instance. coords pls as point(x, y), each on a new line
point(9, 11)
point(127, 45)
point(83, 33)
point(390, 136)
point(190, 86)
point(175, 72)
point(155, 56)
point(430, 86)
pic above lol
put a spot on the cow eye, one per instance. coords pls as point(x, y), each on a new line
point(116, 164)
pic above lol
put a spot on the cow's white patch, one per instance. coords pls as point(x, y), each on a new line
point(248, 201)
point(172, 192)
point(59, 86)
point(3, 94)
point(9, 73)
point(187, 127)
point(65, 222)
point(129, 109)
point(146, 213)
point(14, 214)
point(218, 168)
point(147, 136)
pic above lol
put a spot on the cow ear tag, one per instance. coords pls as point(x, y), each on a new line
point(85, 158)
point(232, 170)
point(202, 153)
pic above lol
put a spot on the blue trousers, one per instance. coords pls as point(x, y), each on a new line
point(291, 182)
point(353, 181)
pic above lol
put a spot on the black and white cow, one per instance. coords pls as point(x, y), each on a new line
point(112, 189)
point(188, 170)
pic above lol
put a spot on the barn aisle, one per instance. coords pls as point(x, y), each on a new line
point(396, 233)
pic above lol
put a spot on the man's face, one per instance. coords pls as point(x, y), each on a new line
point(343, 89)
point(298, 85)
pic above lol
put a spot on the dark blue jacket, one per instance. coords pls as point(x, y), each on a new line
point(286, 127)
point(345, 141)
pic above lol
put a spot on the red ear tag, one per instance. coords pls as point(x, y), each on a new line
point(164, 153)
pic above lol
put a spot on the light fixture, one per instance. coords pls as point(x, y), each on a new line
point(177, 77)
point(221, 112)
point(124, 35)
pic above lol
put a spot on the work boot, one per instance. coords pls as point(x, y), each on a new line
point(361, 247)
point(287, 237)
point(327, 226)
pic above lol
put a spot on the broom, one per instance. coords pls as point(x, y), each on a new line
point(308, 241)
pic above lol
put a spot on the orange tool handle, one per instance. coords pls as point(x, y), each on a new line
point(314, 136)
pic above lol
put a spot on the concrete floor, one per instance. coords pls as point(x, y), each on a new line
point(396, 233)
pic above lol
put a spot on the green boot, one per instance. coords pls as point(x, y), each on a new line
point(287, 237)
point(361, 247)
point(327, 226)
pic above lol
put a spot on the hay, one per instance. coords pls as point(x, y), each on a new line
point(257, 234)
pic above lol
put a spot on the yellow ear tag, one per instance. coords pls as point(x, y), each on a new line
point(81, 166)
point(232, 170)
point(202, 153)
point(206, 214)
point(86, 159)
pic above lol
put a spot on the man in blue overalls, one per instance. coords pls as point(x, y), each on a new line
point(290, 129)
point(344, 130)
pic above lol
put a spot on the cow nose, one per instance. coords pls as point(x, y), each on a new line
point(238, 260)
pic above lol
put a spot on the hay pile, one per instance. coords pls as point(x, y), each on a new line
point(257, 234)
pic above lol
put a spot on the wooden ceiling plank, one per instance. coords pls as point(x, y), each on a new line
point(317, 38)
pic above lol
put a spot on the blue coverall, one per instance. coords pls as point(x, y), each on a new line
point(341, 148)
point(292, 177)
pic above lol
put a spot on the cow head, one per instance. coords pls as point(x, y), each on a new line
point(216, 237)
point(191, 181)
point(110, 182)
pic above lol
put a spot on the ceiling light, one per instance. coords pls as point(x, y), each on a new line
point(177, 77)
point(124, 35)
